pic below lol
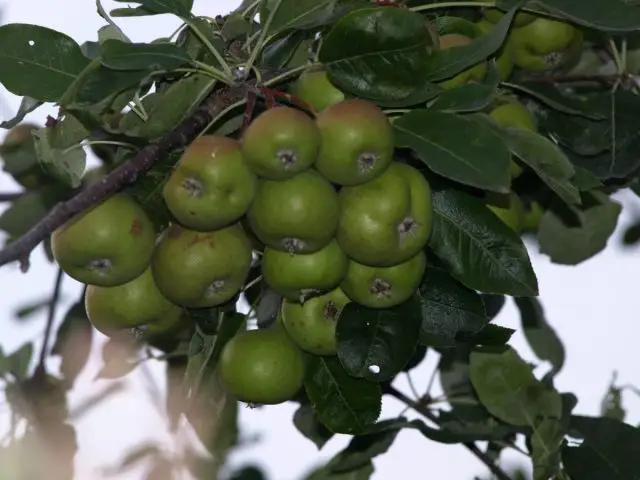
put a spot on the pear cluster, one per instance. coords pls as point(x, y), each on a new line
point(319, 203)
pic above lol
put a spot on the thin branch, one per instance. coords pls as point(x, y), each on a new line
point(125, 174)
point(53, 306)
point(472, 447)
point(10, 197)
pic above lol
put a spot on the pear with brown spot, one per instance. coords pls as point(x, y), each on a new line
point(384, 287)
point(201, 269)
point(388, 220)
point(107, 245)
point(212, 186)
point(357, 142)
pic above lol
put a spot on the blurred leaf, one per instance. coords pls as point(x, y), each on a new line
point(307, 423)
point(344, 404)
point(324, 473)
point(28, 311)
point(181, 8)
point(67, 165)
point(552, 97)
point(491, 335)
point(29, 209)
point(249, 472)
point(73, 342)
point(573, 244)
point(507, 388)
point(609, 450)
point(376, 344)
point(546, 440)
point(541, 336)
point(19, 361)
point(27, 105)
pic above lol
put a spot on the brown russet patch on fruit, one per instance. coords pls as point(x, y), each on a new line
point(331, 311)
point(137, 226)
point(201, 238)
point(175, 231)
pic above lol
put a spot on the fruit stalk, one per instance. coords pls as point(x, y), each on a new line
point(125, 174)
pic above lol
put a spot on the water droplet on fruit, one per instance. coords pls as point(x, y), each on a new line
point(375, 369)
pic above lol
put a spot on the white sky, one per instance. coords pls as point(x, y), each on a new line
point(593, 307)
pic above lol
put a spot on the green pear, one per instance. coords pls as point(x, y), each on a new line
point(298, 215)
point(212, 186)
point(315, 89)
point(299, 276)
point(312, 324)
point(387, 220)
point(475, 73)
point(107, 245)
point(384, 287)
point(201, 269)
point(281, 142)
point(357, 142)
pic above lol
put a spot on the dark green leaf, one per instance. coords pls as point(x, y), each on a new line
point(376, 344)
point(73, 342)
point(506, 386)
point(570, 244)
point(344, 404)
point(181, 8)
point(493, 304)
point(541, 336)
point(451, 61)
point(378, 53)
point(65, 164)
point(478, 248)
point(546, 442)
point(306, 421)
point(469, 97)
point(481, 161)
point(38, 62)
point(325, 473)
point(551, 96)
point(491, 335)
point(119, 55)
point(610, 450)
point(297, 14)
point(448, 308)
point(543, 156)
point(472, 424)
point(584, 180)
point(249, 472)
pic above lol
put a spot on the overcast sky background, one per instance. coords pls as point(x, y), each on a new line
point(593, 307)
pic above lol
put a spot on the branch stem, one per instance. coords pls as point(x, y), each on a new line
point(51, 316)
point(472, 447)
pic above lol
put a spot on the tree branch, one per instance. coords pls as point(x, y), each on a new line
point(472, 447)
point(53, 305)
point(10, 197)
point(125, 174)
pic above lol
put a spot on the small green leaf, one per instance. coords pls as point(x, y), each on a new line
point(610, 449)
point(481, 161)
point(19, 361)
point(73, 342)
point(506, 386)
point(38, 62)
point(66, 133)
point(181, 8)
point(469, 97)
point(478, 249)
point(546, 447)
point(448, 308)
point(378, 53)
point(376, 344)
point(344, 404)
point(541, 336)
point(571, 244)
point(491, 335)
point(119, 55)
point(448, 63)
point(307, 423)
point(66, 164)
point(27, 105)
point(611, 405)
point(32, 308)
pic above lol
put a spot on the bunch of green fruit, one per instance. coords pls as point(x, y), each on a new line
point(319, 201)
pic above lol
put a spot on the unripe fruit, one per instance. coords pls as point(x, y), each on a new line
point(510, 210)
point(312, 325)
point(521, 19)
point(298, 215)
point(280, 143)
point(532, 217)
point(262, 366)
point(212, 186)
point(357, 142)
point(314, 88)
point(504, 60)
point(476, 72)
point(135, 304)
point(201, 269)
point(300, 276)
point(19, 156)
point(388, 220)
point(544, 44)
point(384, 287)
point(107, 245)
point(514, 114)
